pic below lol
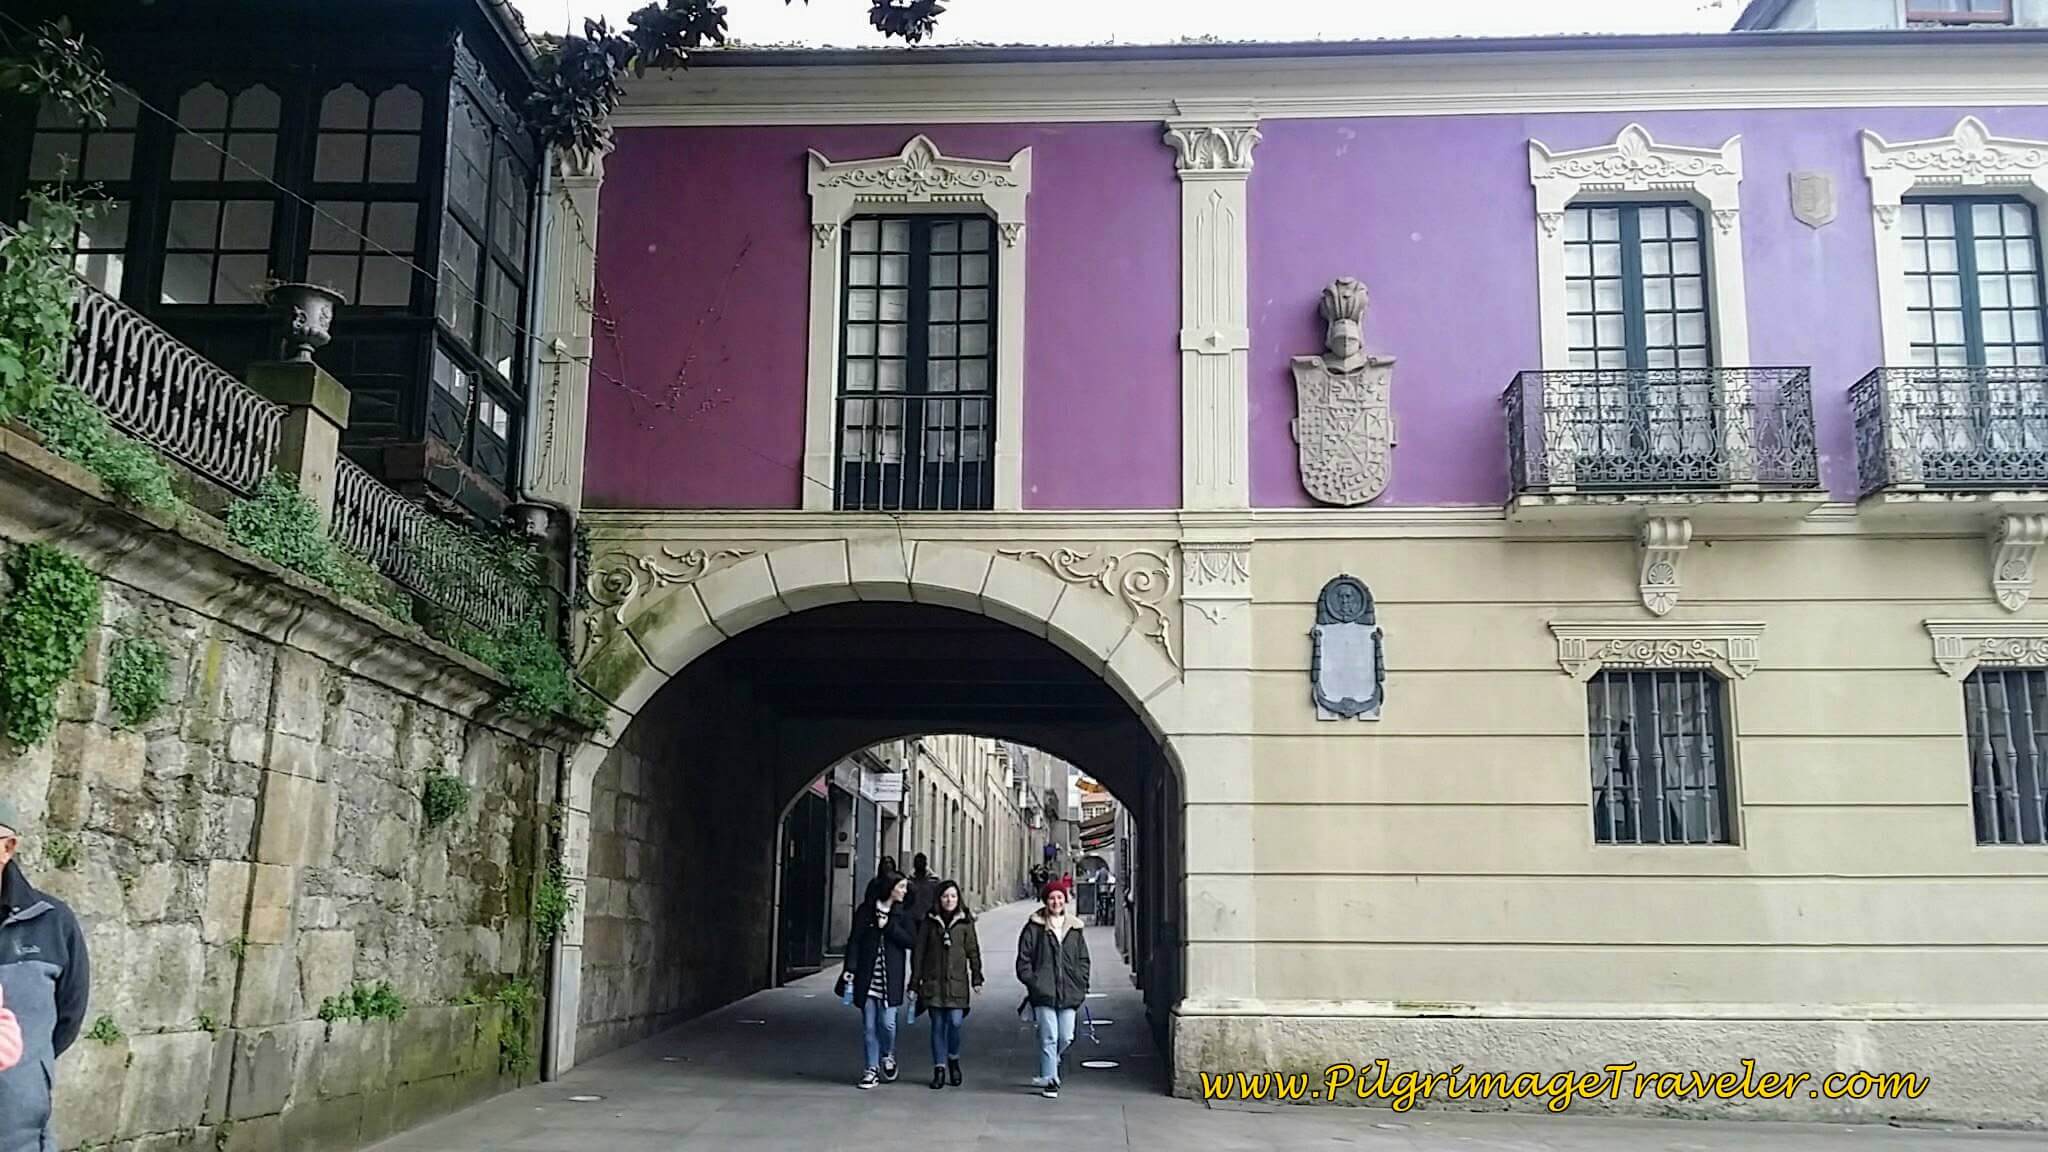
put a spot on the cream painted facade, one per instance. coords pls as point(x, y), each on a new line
point(963, 815)
point(1426, 887)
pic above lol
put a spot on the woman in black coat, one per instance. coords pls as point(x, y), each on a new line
point(876, 952)
point(946, 969)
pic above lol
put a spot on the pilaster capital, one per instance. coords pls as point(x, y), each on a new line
point(1212, 141)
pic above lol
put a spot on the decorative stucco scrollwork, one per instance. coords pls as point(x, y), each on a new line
point(1142, 579)
point(1583, 649)
point(617, 578)
point(1961, 646)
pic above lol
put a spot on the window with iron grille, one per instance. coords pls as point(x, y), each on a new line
point(1658, 743)
point(917, 363)
point(1973, 281)
point(2006, 713)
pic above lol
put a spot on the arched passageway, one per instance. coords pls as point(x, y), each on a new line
point(679, 915)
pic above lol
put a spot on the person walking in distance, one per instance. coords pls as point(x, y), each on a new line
point(45, 979)
point(924, 888)
point(946, 969)
point(874, 972)
point(1052, 964)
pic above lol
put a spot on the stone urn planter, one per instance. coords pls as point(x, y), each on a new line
point(308, 312)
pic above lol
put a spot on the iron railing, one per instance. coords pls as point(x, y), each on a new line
point(1659, 752)
point(1657, 429)
point(1952, 428)
point(2006, 712)
point(488, 585)
point(923, 451)
point(163, 393)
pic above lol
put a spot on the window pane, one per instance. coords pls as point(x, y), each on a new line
point(339, 158)
point(394, 159)
point(251, 156)
point(336, 272)
point(109, 155)
point(203, 107)
point(345, 107)
point(239, 279)
point(256, 107)
point(187, 278)
point(197, 157)
point(194, 224)
point(245, 225)
point(393, 226)
point(399, 108)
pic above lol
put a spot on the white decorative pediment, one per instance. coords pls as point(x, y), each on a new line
point(1962, 646)
point(1584, 648)
point(1636, 166)
point(1968, 159)
point(920, 174)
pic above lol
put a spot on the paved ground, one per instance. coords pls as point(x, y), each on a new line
point(776, 1072)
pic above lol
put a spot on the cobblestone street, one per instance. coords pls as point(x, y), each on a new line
point(776, 1070)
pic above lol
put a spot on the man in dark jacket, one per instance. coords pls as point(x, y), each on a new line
point(1052, 964)
point(924, 888)
point(45, 978)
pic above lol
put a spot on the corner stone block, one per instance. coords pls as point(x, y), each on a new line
point(1220, 908)
point(167, 1085)
point(739, 597)
point(1020, 596)
point(298, 821)
point(271, 904)
point(949, 576)
point(115, 760)
point(619, 672)
point(1219, 703)
point(270, 979)
point(879, 567)
point(1138, 669)
point(91, 1080)
point(165, 970)
point(301, 694)
point(295, 756)
point(261, 1080)
point(227, 897)
point(1089, 626)
point(673, 628)
point(1216, 769)
point(811, 575)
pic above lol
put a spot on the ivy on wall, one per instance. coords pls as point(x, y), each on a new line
point(136, 678)
point(443, 799)
point(52, 605)
point(281, 525)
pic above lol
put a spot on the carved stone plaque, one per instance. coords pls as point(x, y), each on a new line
point(1347, 670)
point(1345, 426)
point(1813, 198)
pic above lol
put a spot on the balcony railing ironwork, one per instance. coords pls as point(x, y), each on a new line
point(1956, 429)
point(163, 393)
point(1661, 429)
point(921, 451)
point(442, 563)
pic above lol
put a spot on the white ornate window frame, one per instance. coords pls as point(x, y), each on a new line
point(1731, 648)
point(920, 179)
point(1635, 166)
point(1969, 159)
point(1963, 646)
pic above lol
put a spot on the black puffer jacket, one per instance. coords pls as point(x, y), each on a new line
point(892, 942)
point(946, 967)
point(1053, 969)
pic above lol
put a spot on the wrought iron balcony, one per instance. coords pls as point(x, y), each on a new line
point(1628, 430)
point(1952, 429)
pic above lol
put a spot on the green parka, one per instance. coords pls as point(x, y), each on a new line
point(945, 966)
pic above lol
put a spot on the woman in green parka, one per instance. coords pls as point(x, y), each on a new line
point(946, 969)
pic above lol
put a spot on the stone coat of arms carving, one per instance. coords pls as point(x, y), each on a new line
point(1345, 422)
point(1347, 667)
point(1813, 198)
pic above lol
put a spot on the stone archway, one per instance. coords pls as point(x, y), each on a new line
point(1110, 616)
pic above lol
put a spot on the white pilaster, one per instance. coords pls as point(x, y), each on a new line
point(1213, 152)
point(561, 393)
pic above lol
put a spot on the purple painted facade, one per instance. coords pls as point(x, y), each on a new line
point(704, 271)
point(697, 388)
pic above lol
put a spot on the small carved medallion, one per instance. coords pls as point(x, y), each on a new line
point(1813, 198)
point(1347, 671)
point(1345, 426)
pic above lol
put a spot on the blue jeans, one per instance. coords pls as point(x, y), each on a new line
point(1055, 1034)
point(878, 1029)
point(946, 1033)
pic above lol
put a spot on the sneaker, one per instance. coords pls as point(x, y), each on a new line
point(1039, 1081)
point(1051, 1091)
point(868, 1079)
point(939, 1076)
point(889, 1069)
point(953, 1072)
